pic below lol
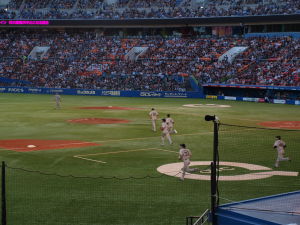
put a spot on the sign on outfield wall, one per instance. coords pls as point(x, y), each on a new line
point(230, 98)
point(279, 101)
point(250, 99)
point(148, 94)
point(211, 96)
point(96, 92)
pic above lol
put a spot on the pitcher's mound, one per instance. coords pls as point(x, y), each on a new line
point(98, 121)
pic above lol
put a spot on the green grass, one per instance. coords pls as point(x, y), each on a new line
point(127, 189)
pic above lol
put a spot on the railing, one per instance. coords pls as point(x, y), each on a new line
point(200, 220)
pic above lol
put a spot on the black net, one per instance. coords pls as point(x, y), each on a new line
point(35, 198)
point(247, 163)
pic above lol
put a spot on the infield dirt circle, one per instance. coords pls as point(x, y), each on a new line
point(282, 124)
point(98, 120)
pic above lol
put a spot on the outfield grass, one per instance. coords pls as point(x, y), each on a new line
point(127, 189)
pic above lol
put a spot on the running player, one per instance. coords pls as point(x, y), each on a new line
point(280, 146)
point(153, 116)
point(185, 155)
point(171, 124)
point(165, 132)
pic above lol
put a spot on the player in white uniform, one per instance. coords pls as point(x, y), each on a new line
point(185, 155)
point(171, 124)
point(165, 132)
point(153, 116)
point(280, 146)
point(57, 99)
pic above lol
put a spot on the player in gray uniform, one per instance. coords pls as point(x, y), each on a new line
point(280, 146)
point(153, 117)
point(165, 132)
point(57, 101)
point(185, 155)
point(171, 124)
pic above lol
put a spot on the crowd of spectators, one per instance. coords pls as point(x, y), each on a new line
point(125, 9)
point(86, 59)
point(267, 61)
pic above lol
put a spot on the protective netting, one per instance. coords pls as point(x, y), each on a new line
point(247, 163)
point(35, 198)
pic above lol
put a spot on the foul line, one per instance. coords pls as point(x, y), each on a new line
point(106, 153)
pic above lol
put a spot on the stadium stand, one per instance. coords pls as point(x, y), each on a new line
point(124, 9)
point(74, 57)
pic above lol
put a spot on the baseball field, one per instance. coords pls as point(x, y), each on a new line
point(97, 161)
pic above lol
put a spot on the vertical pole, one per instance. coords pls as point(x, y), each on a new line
point(214, 165)
point(213, 193)
point(216, 142)
point(3, 194)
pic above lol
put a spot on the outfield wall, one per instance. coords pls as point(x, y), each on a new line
point(96, 92)
point(147, 94)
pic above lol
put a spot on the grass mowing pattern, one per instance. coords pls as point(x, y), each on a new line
point(37, 198)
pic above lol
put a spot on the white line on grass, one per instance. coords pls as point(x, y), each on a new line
point(79, 157)
point(84, 157)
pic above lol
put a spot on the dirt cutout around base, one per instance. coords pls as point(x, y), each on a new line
point(98, 121)
point(255, 171)
point(292, 125)
point(28, 145)
point(111, 108)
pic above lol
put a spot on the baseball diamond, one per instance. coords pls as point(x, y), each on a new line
point(121, 162)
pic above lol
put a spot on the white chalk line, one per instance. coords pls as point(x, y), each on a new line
point(93, 160)
point(85, 157)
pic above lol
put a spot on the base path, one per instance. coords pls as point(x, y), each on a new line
point(282, 124)
point(98, 120)
point(28, 145)
point(111, 108)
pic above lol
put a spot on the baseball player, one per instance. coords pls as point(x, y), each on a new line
point(165, 132)
point(171, 124)
point(153, 116)
point(280, 146)
point(185, 155)
point(57, 99)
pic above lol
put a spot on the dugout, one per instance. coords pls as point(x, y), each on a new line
point(271, 210)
